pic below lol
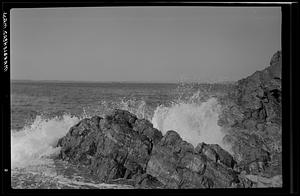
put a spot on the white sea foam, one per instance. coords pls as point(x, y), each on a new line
point(38, 140)
point(134, 106)
point(195, 122)
point(137, 107)
point(80, 184)
point(46, 176)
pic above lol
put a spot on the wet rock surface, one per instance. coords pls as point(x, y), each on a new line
point(117, 146)
point(118, 150)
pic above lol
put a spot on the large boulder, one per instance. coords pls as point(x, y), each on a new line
point(117, 146)
point(176, 164)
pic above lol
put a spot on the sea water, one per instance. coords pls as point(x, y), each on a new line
point(43, 112)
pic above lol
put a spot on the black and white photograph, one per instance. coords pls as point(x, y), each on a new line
point(146, 97)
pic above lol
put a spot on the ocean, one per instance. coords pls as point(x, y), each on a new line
point(42, 112)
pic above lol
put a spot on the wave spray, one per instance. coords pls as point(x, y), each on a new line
point(195, 122)
point(38, 140)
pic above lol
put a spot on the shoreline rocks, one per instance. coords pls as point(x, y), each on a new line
point(122, 148)
point(253, 121)
point(117, 146)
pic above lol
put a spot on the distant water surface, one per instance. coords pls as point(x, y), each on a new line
point(53, 98)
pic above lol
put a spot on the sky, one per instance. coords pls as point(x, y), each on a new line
point(142, 44)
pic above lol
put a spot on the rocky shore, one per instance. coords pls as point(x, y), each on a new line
point(120, 148)
point(253, 120)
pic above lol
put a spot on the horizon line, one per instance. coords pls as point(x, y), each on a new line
point(90, 81)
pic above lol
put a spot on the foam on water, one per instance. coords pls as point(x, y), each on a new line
point(46, 176)
point(195, 121)
point(80, 184)
point(38, 140)
point(135, 106)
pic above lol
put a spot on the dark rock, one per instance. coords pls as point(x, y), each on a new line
point(253, 157)
point(255, 107)
point(223, 156)
point(146, 128)
point(244, 182)
point(206, 150)
point(176, 164)
point(250, 124)
point(113, 147)
point(164, 160)
point(194, 163)
point(147, 181)
point(260, 93)
point(275, 65)
point(216, 154)
point(222, 176)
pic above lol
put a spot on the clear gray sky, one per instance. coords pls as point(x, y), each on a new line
point(157, 44)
